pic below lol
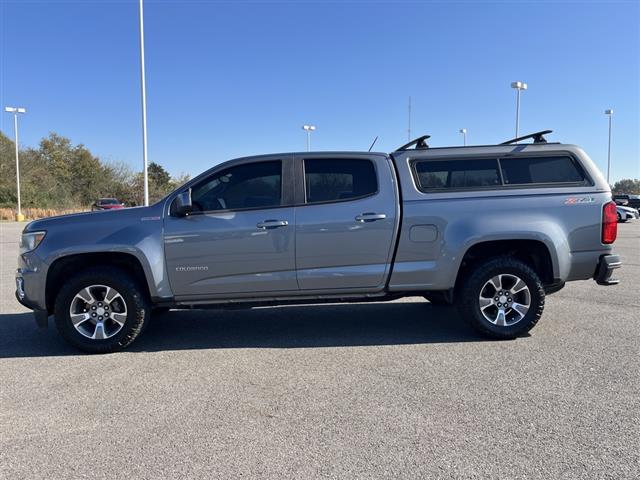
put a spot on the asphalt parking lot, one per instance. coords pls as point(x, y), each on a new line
point(396, 390)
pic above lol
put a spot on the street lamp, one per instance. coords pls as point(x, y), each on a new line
point(309, 129)
point(609, 113)
point(519, 86)
point(16, 111)
point(463, 131)
point(144, 109)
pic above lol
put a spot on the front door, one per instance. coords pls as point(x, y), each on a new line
point(347, 222)
point(240, 239)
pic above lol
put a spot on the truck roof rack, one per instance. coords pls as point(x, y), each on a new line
point(538, 137)
point(420, 144)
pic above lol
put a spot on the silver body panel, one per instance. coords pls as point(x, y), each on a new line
point(460, 219)
point(334, 250)
point(226, 253)
point(324, 252)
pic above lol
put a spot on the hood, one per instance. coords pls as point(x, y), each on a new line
point(111, 215)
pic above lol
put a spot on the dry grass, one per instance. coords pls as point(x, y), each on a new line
point(35, 213)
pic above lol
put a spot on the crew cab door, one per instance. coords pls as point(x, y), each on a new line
point(239, 240)
point(346, 220)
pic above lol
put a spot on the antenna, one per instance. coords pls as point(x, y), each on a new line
point(374, 142)
point(409, 120)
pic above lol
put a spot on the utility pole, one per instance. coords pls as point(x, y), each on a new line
point(309, 129)
point(609, 113)
point(463, 131)
point(16, 111)
point(144, 109)
point(519, 86)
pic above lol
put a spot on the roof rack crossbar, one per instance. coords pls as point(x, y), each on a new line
point(538, 137)
point(420, 144)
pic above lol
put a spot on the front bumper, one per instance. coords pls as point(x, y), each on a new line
point(30, 286)
point(41, 316)
point(606, 265)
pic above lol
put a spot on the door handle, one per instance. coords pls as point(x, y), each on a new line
point(370, 217)
point(272, 224)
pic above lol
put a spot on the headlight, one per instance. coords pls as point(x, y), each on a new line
point(30, 241)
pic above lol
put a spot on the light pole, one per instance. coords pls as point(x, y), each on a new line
point(309, 129)
point(463, 131)
point(519, 86)
point(16, 111)
point(144, 109)
point(609, 113)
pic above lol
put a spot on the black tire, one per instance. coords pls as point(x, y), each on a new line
point(137, 309)
point(469, 304)
point(437, 298)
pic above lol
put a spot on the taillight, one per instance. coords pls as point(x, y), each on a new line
point(609, 223)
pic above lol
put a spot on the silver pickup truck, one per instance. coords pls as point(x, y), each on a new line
point(491, 229)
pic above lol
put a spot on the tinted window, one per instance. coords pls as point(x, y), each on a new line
point(254, 185)
point(522, 170)
point(439, 174)
point(329, 180)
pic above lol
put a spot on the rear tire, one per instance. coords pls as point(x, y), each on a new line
point(502, 298)
point(108, 307)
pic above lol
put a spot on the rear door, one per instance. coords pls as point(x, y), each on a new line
point(240, 238)
point(346, 220)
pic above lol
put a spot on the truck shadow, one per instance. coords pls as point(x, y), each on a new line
point(308, 326)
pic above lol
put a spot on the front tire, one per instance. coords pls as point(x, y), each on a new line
point(101, 310)
point(502, 298)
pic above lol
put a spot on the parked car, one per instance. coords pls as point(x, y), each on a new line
point(626, 213)
point(107, 204)
point(492, 229)
point(626, 200)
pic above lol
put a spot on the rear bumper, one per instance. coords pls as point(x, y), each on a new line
point(606, 265)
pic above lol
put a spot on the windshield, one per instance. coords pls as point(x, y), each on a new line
point(109, 201)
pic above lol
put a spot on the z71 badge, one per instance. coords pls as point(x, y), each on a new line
point(579, 200)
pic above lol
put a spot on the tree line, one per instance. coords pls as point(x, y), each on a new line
point(60, 175)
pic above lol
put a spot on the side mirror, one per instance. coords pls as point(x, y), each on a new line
point(183, 204)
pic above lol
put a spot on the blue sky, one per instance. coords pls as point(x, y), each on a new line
point(228, 79)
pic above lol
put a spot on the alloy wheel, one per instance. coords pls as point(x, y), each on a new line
point(98, 312)
point(504, 300)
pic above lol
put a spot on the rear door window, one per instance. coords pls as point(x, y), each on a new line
point(457, 174)
point(336, 179)
point(552, 169)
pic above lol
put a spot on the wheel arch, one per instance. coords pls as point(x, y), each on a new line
point(68, 265)
point(533, 252)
